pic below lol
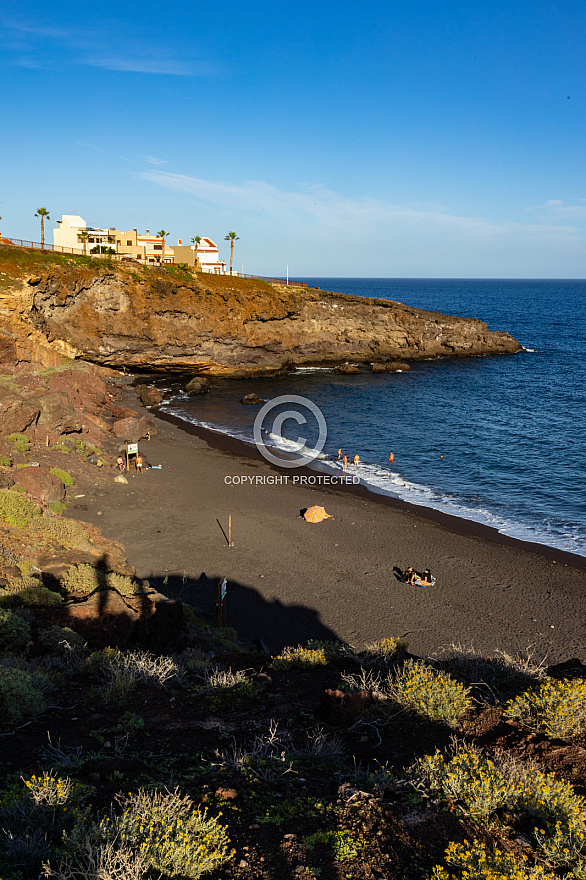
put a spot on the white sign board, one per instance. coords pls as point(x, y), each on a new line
point(132, 447)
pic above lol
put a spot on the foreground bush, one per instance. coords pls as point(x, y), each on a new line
point(67, 532)
point(556, 708)
point(306, 658)
point(84, 578)
point(16, 509)
point(19, 695)
point(29, 591)
point(15, 632)
point(483, 786)
point(430, 692)
point(471, 861)
point(61, 640)
point(178, 840)
point(121, 671)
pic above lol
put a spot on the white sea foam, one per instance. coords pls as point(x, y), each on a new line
point(286, 445)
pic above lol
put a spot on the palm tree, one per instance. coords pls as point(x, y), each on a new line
point(194, 241)
point(83, 237)
point(162, 234)
point(231, 237)
point(42, 213)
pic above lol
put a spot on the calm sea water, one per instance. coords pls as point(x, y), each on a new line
point(498, 440)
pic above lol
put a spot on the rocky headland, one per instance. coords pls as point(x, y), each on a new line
point(169, 320)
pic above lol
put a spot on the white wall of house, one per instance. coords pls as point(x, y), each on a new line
point(207, 252)
point(67, 229)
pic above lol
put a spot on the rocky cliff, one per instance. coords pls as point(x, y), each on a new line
point(168, 320)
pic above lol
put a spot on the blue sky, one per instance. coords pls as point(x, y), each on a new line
point(406, 139)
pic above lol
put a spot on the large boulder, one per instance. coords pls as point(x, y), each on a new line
point(397, 367)
point(57, 413)
point(251, 400)
point(347, 369)
point(16, 412)
point(147, 620)
point(198, 385)
point(149, 396)
point(40, 484)
point(132, 430)
point(104, 619)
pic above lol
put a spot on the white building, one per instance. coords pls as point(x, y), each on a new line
point(132, 246)
point(66, 234)
point(209, 258)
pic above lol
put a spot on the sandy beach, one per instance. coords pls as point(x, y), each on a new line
point(290, 581)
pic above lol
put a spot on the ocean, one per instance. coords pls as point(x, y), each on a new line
point(496, 439)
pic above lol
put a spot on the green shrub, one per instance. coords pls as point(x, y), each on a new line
point(431, 693)
point(471, 861)
point(17, 510)
point(65, 477)
point(15, 632)
point(67, 532)
point(32, 594)
point(5, 461)
point(20, 442)
point(340, 841)
point(81, 578)
point(57, 507)
point(61, 640)
point(84, 578)
point(179, 840)
point(18, 694)
point(556, 708)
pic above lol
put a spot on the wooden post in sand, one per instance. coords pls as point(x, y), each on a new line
point(229, 530)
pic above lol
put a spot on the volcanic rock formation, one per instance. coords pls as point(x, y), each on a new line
point(220, 326)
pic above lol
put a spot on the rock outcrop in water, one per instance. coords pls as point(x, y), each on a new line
point(170, 321)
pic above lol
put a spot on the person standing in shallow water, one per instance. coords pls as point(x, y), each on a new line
point(344, 464)
point(356, 460)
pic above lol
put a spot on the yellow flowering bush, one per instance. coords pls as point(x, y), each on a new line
point(470, 778)
point(383, 652)
point(307, 658)
point(471, 861)
point(557, 708)
point(483, 787)
point(49, 789)
point(430, 692)
point(176, 838)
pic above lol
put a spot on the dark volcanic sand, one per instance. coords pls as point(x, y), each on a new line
point(290, 581)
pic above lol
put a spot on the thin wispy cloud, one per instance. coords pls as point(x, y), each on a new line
point(318, 207)
point(37, 45)
point(152, 160)
point(164, 66)
point(559, 208)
